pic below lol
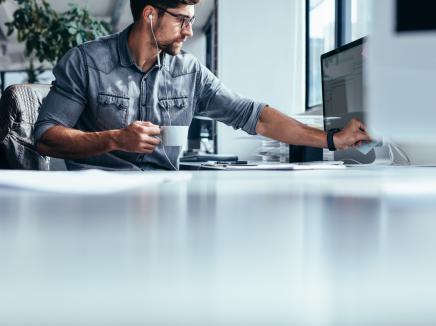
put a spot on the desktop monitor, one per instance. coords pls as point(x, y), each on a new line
point(343, 93)
point(402, 71)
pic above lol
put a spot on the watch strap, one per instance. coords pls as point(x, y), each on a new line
point(330, 142)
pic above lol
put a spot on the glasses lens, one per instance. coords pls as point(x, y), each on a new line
point(188, 21)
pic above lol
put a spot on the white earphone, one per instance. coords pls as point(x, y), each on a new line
point(150, 19)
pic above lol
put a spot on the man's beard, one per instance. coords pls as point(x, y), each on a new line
point(170, 48)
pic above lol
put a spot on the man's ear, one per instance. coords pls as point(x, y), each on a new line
point(148, 13)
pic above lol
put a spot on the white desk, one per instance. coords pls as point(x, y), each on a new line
point(353, 247)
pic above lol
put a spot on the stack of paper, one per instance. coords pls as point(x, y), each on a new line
point(325, 165)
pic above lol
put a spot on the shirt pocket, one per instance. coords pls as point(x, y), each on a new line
point(176, 111)
point(112, 111)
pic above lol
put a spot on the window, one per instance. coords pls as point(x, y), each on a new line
point(321, 32)
point(12, 77)
point(20, 77)
point(360, 18)
point(330, 23)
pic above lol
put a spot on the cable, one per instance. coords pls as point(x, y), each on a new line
point(166, 89)
point(167, 110)
point(402, 153)
point(391, 147)
point(391, 154)
point(155, 40)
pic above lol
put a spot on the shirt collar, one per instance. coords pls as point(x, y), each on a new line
point(126, 59)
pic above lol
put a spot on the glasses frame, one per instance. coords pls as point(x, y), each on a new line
point(185, 21)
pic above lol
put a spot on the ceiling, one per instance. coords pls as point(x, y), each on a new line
point(116, 12)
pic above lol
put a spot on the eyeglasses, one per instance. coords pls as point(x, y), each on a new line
point(185, 21)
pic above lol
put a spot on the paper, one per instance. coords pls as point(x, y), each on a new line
point(366, 147)
point(327, 165)
point(87, 181)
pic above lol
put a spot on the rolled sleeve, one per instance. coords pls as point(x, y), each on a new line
point(218, 102)
point(67, 98)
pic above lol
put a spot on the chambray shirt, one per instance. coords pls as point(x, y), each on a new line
point(99, 87)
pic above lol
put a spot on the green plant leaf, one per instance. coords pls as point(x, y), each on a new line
point(48, 35)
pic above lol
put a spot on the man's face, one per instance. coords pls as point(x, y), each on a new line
point(172, 31)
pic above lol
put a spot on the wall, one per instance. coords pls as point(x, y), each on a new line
point(261, 56)
point(197, 46)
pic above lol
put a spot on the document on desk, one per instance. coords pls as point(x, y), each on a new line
point(366, 147)
point(87, 181)
point(326, 165)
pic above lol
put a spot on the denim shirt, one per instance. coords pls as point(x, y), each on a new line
point(99, 87)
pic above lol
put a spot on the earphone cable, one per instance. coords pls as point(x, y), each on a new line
point(166, 89)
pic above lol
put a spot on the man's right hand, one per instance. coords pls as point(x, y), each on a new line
point(138, 137)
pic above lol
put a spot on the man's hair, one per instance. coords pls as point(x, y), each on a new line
point(137, 6)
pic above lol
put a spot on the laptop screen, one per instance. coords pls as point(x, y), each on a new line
point(342, 84)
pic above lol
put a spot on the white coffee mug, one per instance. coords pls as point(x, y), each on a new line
point(174, 135)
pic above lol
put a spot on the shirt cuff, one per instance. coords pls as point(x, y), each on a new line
point(56, 110)
point(250, 127)
point(42, 128)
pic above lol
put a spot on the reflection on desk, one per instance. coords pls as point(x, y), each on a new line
point(230, 248)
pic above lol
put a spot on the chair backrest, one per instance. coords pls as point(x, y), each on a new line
point(19, 108)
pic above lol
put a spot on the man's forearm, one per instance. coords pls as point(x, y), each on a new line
point(69, 143)
point(276, 125)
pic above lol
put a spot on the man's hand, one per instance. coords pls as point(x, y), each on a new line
point(351, 136)
point(68, 143)
point(138, 137)
point(274, 124)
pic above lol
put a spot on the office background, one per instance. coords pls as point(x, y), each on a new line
point(267, 52)
point(345, 247)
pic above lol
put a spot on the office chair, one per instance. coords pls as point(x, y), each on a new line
point(19, 108)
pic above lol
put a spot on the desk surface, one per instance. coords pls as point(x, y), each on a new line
point(349, 247)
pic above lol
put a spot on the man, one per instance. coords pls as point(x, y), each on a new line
point(111, 95)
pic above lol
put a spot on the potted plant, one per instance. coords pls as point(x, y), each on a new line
point(48, 35)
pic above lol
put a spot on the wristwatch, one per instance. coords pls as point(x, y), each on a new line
point(330, 142)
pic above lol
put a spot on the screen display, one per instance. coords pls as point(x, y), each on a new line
point(343, 86)
point(416, 15)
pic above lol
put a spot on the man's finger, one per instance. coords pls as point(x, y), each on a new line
point(152, 140)
point(357, 124)
point(149, 147)
point(146, 124)
point(365, 136)
point(152, 131)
